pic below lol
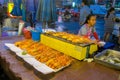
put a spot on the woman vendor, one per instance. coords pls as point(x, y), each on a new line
point(88, 29)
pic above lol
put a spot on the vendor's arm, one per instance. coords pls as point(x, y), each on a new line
point(95, 34)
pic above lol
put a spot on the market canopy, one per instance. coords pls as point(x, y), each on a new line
point(17, 8)
point(24, 10)
point(46, 11)
point(6, 1)
point(31, 8)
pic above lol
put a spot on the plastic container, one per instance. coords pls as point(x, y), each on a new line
point(4, 34)
point(36, 35)
point(21, 25)
point(12, 33)
point(27, 34)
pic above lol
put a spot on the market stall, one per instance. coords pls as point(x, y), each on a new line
point(17, 68)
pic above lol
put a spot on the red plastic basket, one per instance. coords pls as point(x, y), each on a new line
point(27, 34)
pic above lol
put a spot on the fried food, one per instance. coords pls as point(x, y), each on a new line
point(52, 58)
point(70, 37)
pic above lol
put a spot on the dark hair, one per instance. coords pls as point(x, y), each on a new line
point(110, 10)
point(117, 20)
point(88, 18)
point(85, 2)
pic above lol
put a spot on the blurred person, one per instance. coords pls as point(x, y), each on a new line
point(88, 29)
point(67, 14)
point(109, 23)
point(1, 19)
point(84, 11)
point(116, 30)
point(5, 11)
point(1, 14)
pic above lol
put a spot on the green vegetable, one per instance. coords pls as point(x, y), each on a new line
point(24, 53)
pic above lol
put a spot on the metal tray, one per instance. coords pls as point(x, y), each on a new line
point(116, 54)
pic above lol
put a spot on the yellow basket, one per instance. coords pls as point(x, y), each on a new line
point(77, 52)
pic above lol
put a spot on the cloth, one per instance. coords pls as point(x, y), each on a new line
point(109, 23)
point(84, 12)
point(46, 11)
point(17, 8)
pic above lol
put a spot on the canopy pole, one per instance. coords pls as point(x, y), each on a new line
point(113, 5)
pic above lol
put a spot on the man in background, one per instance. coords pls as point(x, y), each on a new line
point(84, 12)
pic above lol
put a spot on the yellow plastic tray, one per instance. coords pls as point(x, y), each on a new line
point(77, 52)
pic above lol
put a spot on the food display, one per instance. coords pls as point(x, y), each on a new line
point(45, 54)
point(52, 46)
point(69, 44)
point(109, 58)
point(70, 37)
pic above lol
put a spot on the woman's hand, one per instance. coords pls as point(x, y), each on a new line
point(94, 41)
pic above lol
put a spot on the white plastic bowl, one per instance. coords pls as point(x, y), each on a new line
point(102, 43)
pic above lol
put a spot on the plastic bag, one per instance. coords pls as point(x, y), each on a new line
point(27, 33)
point(21, 25)
point(38, 27)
